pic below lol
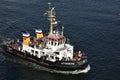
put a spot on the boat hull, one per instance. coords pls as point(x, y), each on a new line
point(67, 67)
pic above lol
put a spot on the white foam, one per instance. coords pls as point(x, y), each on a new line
point(62, 72)
point(73, 72)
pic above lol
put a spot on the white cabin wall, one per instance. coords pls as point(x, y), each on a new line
point(28, 49)
point(68, 51)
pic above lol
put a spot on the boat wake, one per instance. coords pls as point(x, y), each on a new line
point(73, 72)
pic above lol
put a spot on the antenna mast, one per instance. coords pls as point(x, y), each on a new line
point(49, 5)
point(62, 30)
point(51, 17)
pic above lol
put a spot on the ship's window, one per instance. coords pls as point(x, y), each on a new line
point(57, 53)
point(47, 55)
point(64, 41)
point(52, 57)
point(57, 58)
point(36, 52)
point(43, 52)
point(32, 51)
point(51, 43)
point(60, 41)
point(55, 44)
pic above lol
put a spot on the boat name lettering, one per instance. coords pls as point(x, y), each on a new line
point(66, 63)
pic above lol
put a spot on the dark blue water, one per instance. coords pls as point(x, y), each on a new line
point(92, 26)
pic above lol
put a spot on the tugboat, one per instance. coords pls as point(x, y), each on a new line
point(49, 51)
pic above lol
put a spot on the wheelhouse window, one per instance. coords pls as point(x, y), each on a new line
point(52, 43)
point(57, 53)
point(48, 42)
point(55, 43)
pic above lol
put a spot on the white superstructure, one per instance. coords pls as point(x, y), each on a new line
point(53, 46)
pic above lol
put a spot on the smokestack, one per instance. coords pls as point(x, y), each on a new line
point(39, 33)
point(26, 39)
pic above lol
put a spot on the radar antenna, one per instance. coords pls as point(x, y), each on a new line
point(49, 5)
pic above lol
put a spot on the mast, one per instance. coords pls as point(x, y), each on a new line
point(51, 17)
point(62, 30)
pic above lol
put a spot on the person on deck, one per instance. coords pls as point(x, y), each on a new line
point(79, 55)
